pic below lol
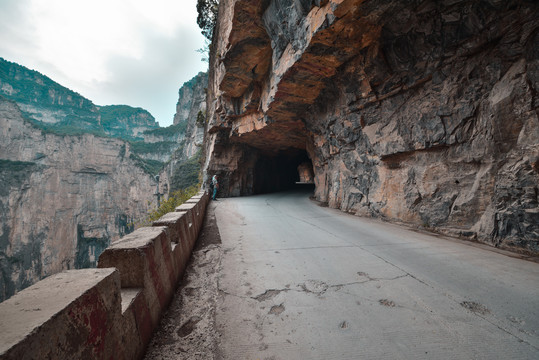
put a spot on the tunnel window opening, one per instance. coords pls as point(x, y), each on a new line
point(285, 170)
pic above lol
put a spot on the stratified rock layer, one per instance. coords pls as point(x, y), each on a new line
point(191, 102)
point(63, 199)
point(183, 168)
point(422, 112)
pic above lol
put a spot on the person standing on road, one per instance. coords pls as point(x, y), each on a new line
point(215, 185)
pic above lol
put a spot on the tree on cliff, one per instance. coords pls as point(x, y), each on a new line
point(207, 16)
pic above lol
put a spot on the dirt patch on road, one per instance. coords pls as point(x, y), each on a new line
point(386, 302)
point(277, 309)
point(187, 329)
point(209, 235)
point(475, 307)
point(268, 294)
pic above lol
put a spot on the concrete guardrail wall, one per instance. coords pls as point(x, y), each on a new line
point(109, 312)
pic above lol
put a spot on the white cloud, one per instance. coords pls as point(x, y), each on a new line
point(134, 52)
point(15, 29)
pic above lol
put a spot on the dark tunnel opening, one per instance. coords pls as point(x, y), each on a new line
point(289, 169)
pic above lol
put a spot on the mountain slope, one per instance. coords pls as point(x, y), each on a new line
point(55, 108)
point(63, 199)
point(75, 176)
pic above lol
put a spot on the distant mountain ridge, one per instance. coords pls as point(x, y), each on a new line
point(126, 122)
point(55, 108)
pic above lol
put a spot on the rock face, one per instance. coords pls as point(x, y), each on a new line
point(44, 100)
point(63, 199)
point(191, 102)
point(183, 168)
point(125, 121)
point(421, 112)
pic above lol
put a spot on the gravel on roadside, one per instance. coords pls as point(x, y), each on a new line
point(187, 329)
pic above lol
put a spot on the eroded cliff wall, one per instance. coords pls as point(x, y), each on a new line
point(422, 112)
point(191, 102)
point(63, 199)
point(182, 170)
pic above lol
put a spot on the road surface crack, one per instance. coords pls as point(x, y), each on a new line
point(314, 287)
point(362, 274)
point(268, 294)
point(223, 292)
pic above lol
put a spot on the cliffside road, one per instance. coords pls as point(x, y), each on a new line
point(300, 281)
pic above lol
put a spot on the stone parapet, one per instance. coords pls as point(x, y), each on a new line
point(109, 312)
point(55, 316)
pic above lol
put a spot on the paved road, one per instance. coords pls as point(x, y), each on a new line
point(299, 281)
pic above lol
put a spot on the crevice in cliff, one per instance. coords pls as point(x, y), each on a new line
point(393, 160)
point(363, 102)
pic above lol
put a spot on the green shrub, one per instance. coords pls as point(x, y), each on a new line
point(169, 130)
point(64, 128)
point(111, 113)
point(151, 167)
point(186, 173)
point(201, 118)
point(141, 147)
point(9, 165)
point(176, 199)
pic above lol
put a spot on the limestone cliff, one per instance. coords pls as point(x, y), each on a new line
point(56, 109)
point(62, 199)
point(183, 168)
point(44, 100)
point(67, 187)
point(125, 121)
point(191, 110)
point(422, 112)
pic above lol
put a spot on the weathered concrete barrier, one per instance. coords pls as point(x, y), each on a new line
point(109, 312)
point(67, 315)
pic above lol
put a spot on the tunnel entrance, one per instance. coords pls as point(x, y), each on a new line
point(285, 170)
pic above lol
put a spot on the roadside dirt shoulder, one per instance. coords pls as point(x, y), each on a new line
point(187, 329)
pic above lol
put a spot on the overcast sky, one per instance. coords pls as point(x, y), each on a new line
point(133, 52)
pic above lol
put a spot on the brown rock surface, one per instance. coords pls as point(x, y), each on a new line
point(419, 112)
point(191, 101)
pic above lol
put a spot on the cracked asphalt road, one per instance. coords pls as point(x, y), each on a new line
point(300, 281)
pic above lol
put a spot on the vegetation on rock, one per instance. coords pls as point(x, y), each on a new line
point(29, 86)
point(9, 165)
point(151, 167)
point(66, 128)
point(120, 120)
point(168, 131)
point(177, 198)
point(207, 16)
point(201, 119)
point(187, 173)
point(54, 109)
point(141, 147)
point(110, 114)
